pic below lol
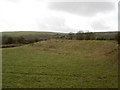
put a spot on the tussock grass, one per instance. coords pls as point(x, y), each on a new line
point(82, 48)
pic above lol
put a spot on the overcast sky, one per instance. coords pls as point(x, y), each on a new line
point(46, 15)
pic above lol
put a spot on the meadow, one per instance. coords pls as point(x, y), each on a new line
point(59, 63)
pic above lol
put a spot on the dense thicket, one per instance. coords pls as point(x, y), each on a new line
point(18, 40)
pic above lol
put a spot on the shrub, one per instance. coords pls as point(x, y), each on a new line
point(79, 35)
point(20, 40)
point(7, 40)
point(70, 36)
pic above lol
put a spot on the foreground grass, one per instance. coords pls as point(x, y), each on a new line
point(61, 63)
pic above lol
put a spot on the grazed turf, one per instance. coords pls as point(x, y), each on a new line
point(61, 63)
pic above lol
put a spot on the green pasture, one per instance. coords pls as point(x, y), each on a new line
point(61, 64)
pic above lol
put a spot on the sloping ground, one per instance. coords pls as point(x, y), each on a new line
point(61, 63)
point(29, 35)
point(82, 48)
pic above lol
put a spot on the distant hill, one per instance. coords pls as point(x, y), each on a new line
point(31, 35)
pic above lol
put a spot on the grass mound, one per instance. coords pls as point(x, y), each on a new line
point(81, 48)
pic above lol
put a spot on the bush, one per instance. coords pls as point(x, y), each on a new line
point(70, 36)
point(7, 40)
point(118, 37)
point(79, 35)
point(20, 40)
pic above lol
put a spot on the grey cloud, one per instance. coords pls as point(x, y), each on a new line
point(53, 23)
point(83, 8)
point(14, 1)
point(99, 25)
point(50, 22)
point(119, 16)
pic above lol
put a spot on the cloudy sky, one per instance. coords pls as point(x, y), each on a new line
point(58, 16)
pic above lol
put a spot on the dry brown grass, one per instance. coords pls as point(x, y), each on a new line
point(81, 48)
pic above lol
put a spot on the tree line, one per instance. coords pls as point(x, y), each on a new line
point(18, 40)
point(80, 35)
point(88, 36)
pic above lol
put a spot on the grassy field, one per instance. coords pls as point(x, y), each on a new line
point(22, 33)
point(61, 64)
point(27, 32)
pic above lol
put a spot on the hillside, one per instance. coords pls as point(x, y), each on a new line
point(32, 35)
point(61, 63)
point(28, 35)
point(82, 48)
